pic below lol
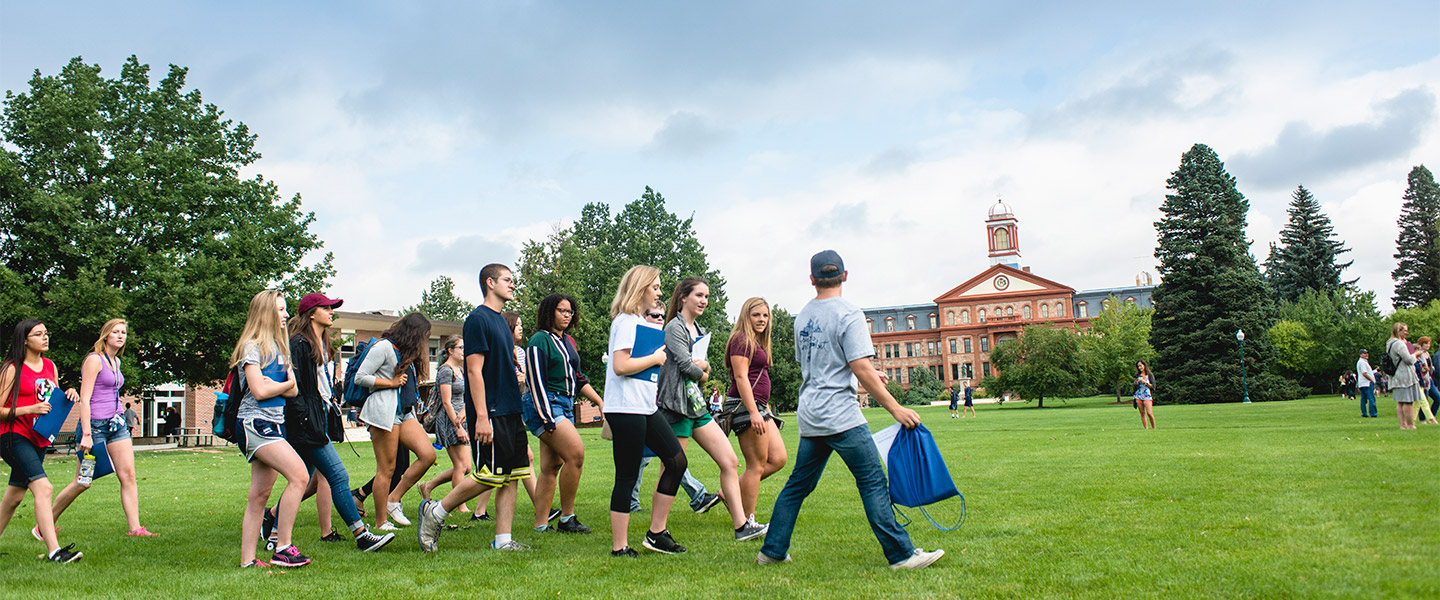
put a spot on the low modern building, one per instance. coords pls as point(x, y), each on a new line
point(953, 334)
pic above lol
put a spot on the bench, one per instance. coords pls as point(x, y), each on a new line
point(189, 436)
point(64, 440)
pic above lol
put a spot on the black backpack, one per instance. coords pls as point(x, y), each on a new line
point(1387, 362)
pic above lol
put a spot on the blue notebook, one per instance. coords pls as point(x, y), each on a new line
point(49, 424)
point(648, 340)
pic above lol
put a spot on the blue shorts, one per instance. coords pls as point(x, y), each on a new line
point(106, 431)
point(561, 407)
point(25, 460)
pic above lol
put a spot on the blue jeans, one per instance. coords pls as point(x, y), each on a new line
point(1367, 402)
point(857, 449)
point(325, 460)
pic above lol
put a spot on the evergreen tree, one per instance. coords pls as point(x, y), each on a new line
point(1417, 274)
point(1307, 256)
point(440, 302)
point(1210, 287)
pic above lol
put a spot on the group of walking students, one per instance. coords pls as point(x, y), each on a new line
point(490, 391)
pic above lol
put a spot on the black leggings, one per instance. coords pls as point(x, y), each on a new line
point(632, 434)
point(402, 463)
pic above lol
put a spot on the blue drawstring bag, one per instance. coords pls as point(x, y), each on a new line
point(918, 476)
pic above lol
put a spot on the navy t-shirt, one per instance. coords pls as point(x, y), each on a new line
point(487, 333)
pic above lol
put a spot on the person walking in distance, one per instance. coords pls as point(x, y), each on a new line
point(969, 402)
point(450, 430)
point(1144, 396)
point(832, 345)
point(492, 413)
point(1365, 385)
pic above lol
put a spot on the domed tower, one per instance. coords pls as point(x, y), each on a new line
point(1001, 229)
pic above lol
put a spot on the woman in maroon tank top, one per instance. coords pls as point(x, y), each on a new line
point(26, 377)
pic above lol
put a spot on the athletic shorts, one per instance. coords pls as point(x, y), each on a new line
point(507, 457)
point(561, 408)
point(25, 460)
point(260, 433)
point(686, 426)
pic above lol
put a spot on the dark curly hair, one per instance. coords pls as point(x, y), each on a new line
point(545, 317)
point(411, 334)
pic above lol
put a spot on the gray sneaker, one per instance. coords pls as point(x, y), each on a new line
point(919, 560)
point(750, 530)
point(762, 559)
point(428, 531)
point(510, 546)
point(705, 503)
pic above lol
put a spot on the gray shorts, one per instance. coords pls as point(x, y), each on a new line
point(260, 433)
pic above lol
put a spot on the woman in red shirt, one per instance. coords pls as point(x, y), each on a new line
point(26, 380)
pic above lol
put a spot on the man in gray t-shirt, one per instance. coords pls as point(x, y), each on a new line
point(833, 347)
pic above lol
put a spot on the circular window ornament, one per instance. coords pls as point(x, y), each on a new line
point(1002, 282)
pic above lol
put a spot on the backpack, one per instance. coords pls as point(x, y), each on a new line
point(225, 421)
point(1387, 362)
point(355, 394)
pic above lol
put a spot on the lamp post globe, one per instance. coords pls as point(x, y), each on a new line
point(1244, 380)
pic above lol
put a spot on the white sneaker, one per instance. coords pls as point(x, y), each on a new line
point(761, 559)
point(396, 511)
point(389, 526)
point(919, 560)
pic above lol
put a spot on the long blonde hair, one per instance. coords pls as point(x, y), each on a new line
point(105, 330)
point(745, 330)
point(630, 295)
point(264, 329)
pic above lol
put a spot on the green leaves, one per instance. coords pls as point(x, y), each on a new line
point(123, 200)
point(1306, 258)
point(440, 302)
point(1417, 249)
point(1043, 361)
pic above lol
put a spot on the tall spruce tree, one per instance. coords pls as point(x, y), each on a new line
point(1417, 250)
point(1306, 258)
point(1210, 288)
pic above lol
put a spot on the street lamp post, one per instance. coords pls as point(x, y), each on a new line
point(1240, 335)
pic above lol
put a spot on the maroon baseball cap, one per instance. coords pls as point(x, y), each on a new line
point(313, 300)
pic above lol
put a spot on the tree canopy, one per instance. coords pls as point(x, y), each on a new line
point(1210, 288)
point(119, 198)
point(440, 302)
point(1119, 337)
point(1417, 249)
point(587, 259)
point(1045, 361)
point(1320, 334)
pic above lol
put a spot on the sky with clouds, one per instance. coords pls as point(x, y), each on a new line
point(431, 138)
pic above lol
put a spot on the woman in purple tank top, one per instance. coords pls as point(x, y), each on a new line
point(100, 383)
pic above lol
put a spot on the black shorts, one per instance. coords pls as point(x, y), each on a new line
point(25, 460)
point(507, 457)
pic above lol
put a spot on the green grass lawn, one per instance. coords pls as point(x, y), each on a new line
point(1280, 500)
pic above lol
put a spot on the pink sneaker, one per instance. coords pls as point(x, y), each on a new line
point(290, 557)
point(35, 531)
point(141, 532)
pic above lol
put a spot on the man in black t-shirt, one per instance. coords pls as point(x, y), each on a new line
point(492, 410)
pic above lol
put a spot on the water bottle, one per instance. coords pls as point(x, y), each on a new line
point(87, 470)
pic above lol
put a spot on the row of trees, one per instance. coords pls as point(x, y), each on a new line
point(1056, 362)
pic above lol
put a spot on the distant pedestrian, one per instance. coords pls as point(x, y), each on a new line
point(1424, 367)
point(1365, 382)
point(1144, 396)
point(969, 402)
point(132, 420)
point(954, 403)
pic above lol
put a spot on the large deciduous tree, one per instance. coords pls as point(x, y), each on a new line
point(123, 199)
point(1417, 249)
point(1119, 337)
point(440, 302)
point(1320, 334)
point(1043, 362)
point(587, 259)
point(1210, 287)
point(1308, 255)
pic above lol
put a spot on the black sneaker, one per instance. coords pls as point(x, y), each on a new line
point(65, 555)
point(484, 516)
point(750, 530)
point(707, 502)
point(572, 526)
point(290, 557)
point(333, 536)
point(662, 543)
point(626, 552)
point(554, 514)
point(267, 529)
point(369, 542)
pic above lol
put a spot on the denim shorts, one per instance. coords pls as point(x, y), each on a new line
point(24, 459)
point(561, 407)
point(401, 417)
point(113, 429)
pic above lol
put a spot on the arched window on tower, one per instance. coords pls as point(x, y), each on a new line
point(1009, 311)
point(1026, 310)
point(1002, 239)
point(910, 322)
point(889, 323)
point(1044, 311)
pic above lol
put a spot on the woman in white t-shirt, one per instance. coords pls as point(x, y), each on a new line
point(634, 419)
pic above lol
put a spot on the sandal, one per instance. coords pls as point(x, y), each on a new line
point(141, 532)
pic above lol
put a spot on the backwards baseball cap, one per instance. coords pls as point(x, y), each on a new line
point(313, 300)
point(1364, 351)
point(823, 259)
